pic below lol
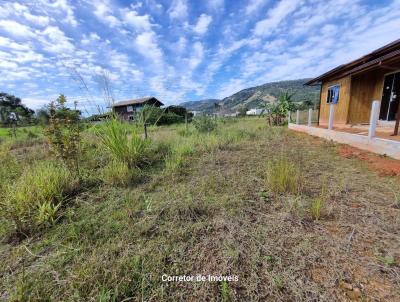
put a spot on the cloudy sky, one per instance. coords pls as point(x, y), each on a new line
point(179, 50)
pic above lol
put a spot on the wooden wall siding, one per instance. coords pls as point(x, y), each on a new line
point(365, 88)
point(341, 108)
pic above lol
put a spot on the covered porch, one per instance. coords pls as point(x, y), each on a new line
point(377, 136)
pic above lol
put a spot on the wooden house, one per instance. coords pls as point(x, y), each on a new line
point(126, 110)
point(352, 88)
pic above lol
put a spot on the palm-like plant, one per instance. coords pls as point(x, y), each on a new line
point(278, 111)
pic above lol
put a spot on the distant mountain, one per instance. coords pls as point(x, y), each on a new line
point(253, 97)
point(202, 105)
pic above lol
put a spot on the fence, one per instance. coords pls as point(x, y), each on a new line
point(304, 117)
point(310, 117)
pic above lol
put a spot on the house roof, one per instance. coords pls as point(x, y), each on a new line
point(136, 101)
point(381, 55)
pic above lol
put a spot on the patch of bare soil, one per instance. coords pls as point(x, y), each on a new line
point(384, 165)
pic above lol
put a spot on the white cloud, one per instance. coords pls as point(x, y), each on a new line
point(67, 8)
point(104, 13)
point(234, 85)
point(197, 55)
point(55, 41)
point(255, 5)
point(90, 39)
point(139, 23)
point(7, 43)
point(37, 20)
point(275, 16)
point(16, 29)
point(147, 45)
point(178, 10)
point(202, 24)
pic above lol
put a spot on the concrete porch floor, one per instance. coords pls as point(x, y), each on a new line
point(382, 131)
point(383, 143)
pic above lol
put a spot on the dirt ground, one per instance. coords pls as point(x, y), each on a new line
point(384, 165)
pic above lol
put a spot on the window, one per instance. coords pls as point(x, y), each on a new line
point(333, 94)
point(131, 117)
point(129, 109)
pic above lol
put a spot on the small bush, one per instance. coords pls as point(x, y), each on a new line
point(283, 176)
point(204, 123)
point(33, 201)
point(117, 173)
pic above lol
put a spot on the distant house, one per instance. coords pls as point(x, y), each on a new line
point(126, 110)
point(255, 111)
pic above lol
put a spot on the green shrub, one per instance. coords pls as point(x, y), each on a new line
point(169, 118)
point(34, 200)
point(124, 143)
point(117, 173)
point(64, 133)
point(283, 176)
point(205, 123)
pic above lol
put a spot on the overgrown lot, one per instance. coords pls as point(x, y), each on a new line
point(283, 211)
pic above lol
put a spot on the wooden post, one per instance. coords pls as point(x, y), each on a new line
point(396, 126)
point(297, 116)
point(289, 117)
point(186, 122)
point(373, 119)
point(309, 117)
point(145, 131)
point(331, 114)
point(14, 129)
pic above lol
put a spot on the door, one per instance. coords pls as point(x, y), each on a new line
point(390, 97)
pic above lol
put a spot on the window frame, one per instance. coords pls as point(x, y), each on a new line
point(329, 96)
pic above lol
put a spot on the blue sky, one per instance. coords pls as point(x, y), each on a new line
point(179, 50)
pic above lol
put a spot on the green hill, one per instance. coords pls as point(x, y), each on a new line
point(252, 97)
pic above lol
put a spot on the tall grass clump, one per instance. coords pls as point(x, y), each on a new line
point(283, 176)
point(117, 173)
point(35, 198)
point(317, 205)
point(124, 143)
point(178, 156)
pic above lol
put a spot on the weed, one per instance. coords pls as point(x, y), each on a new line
point(225, 292)
point(279, 283)
point(316, 207)
point(387, 260)
point(124, 145)
point(178, 155)
point(33, 201)
point(318, 204)
point(283, 176)
point(117, 173)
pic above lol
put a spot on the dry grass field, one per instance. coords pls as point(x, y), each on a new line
point(284, 212)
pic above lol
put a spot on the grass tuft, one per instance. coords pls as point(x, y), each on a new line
point(117, 173)
point(34, 200)
point(283, 176)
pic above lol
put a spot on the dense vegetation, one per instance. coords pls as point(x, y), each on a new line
point(219, 197)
